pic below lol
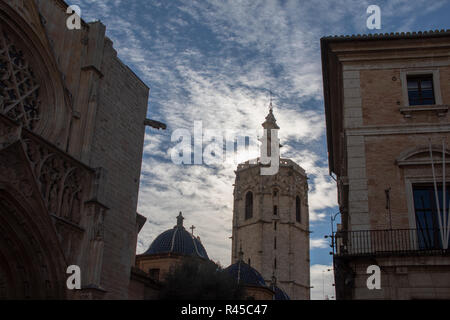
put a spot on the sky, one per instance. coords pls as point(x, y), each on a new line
point(217, 61)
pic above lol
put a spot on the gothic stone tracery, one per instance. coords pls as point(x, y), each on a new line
point(19, 88)
point(61, 183)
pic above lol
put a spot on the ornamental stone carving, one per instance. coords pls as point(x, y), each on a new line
point(62, 183)
point(19, 88)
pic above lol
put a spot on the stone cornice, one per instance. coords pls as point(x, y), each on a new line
point(293, 224)
point(398, 129)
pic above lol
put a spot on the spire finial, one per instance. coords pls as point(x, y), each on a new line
point(271, 122)
point(180, 219)
point(271, 100)
point(192, 228)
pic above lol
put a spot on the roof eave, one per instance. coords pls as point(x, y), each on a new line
point(325, 75)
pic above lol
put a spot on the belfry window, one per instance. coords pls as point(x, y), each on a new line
point(248, 205)
point(298, 211)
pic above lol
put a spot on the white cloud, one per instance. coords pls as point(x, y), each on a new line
point(225, 93)
point(318, 243)
point(227, 90)
point(322, 282)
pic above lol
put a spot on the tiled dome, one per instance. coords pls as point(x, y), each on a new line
point(280, 294)
point(177, 240)
point(246, 274)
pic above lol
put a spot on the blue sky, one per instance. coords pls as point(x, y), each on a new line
point(216, 61)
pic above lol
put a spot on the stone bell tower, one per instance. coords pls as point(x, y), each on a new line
point(271, 219)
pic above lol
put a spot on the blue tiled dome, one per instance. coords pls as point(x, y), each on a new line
point(280, 294)
point(177, 240)
point(246, 274)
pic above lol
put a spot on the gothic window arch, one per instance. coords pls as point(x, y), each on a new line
point(20, 97)
point(298, 209)
point(32, 92)
point(248, 205)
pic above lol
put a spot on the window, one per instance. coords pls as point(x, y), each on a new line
point(275, 243)
point(298, 211)
point(275, 225)
point(275, 210)
point(154, 274)
point(248, 205)
point(275, 192)
point(420, 90)
point(249, 262)
point(275, 263)
point(426, 211)
point(20, 91)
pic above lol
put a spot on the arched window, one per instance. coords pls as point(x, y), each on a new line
point(298, 210)
point(248, 205)
point(20, 90)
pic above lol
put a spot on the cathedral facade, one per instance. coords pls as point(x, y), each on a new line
point(271, 219)
point(71, 140)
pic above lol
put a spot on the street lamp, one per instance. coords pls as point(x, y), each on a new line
point(323, 281)
point(333, 219)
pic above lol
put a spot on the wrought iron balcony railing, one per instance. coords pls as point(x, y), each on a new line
point(389, 242)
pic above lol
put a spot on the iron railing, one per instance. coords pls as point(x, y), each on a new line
point(386, 242)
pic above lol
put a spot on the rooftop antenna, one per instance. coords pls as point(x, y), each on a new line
point(274, 280)
point(241, 253)
point(241, 259)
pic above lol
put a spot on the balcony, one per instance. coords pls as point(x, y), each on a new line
point(389, 242)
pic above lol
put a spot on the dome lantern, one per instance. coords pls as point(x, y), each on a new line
point(180, 219)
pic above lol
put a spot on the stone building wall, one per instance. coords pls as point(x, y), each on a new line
point(409, 278)
point(258, 293)
point(117, 146)
point(162, 262)
point(383, 148)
